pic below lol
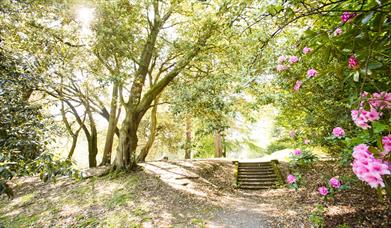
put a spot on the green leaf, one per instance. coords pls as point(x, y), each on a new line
point(378, 127)
point(373, 66)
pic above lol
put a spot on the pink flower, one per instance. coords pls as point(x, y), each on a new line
point(291, 179)
point(377, 166)
point(280, 68)
point(386, 141)
point(374, 180)
point(334, 182)
point(359, 117)
point(293, 59)
point(372, 115)
point(297, 85)
point(338, 32)
point(368, 168)
point(297, 152)
point(323, 191)
point(307, 141)
point(307, 50)
point(347, 16)
point(380, 100)
point(353, 63)
point(338, 132)
point(281, 59)
point(292, 134)
point(311, 73)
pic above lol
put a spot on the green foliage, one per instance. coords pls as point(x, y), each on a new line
point(278, 145)
point(316, 216)
point(304, 160)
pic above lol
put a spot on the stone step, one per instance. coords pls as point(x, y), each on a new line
point(256, 170)
point(255, 179)
point(259, 172)
point(255, 165)
point(259, 184)
point(257, 187)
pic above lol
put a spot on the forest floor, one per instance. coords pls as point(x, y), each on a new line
point(184, 193)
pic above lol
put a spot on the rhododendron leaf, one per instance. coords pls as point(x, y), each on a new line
point(344, 187)
point(373, 66)
point(378, 127)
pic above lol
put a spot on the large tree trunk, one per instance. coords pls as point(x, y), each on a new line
point(218, 144)
point(126, 151)
point(106, 159)
point(151, 139)
point(188, 139)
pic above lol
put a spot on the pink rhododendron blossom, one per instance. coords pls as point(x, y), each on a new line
point(386, 141)
point(359, 117)
point(334, 182)
point(347, 16)
point(291, 179)
point(297, 85)
point(292, 133)
point(311, 73)
point(307, 50)
point(297, 152)
point(282, 58)
point(373, 180)
point(280, 68)
point(368, 168)
point(338, 32)
point(380, 100)
point(293, 59)
point(364, 94)
point(338, 132)
point(323, 191)
point(353, 63)
point(372, 115)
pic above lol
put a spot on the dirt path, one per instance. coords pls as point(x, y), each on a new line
point(214, 180)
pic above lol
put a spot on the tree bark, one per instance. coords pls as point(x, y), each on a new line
point(68, 126)
point(151, 139)
point(73, 147)
point(126, 151)
point(188, 139)
point(106, 159)
point(218, 144)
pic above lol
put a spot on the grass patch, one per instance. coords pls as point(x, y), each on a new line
point(21, 220)
point(198, 222)
point(119, 198)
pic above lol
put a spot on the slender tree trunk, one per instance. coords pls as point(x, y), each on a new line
point(73, 147)
point(151, 139)
point(188, 139)
point(218, 144)
point(93, 137)
point(92, 150)
point(111, 128)
point(68, 126)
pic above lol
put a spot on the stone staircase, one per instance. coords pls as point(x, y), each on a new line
point(257, 175)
